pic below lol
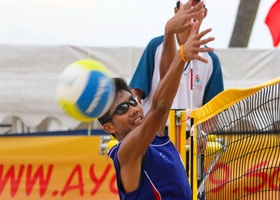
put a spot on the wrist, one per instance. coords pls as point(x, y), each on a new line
point(168, 28)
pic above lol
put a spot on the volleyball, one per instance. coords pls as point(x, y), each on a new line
point(85, 90)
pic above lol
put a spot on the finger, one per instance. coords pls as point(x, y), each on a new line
point(198, 5)
point(195, 29)
point(180, 8)
point(205, 41)
point(198, 57)
point(204, 50)
point(194, 14)
point(204, 60)
point(188, 4)
point(181, 5)
point(202, 33)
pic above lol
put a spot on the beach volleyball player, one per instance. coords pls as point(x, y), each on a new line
point(147, 164)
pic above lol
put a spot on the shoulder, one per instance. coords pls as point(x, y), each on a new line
point(160, 140)
point(156, 41)
point(214, 57)
point(152, 46)
point(113, 152)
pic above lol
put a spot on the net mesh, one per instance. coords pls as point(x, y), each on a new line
point(238, 144)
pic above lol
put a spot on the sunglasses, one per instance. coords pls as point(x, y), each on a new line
point(123, 107)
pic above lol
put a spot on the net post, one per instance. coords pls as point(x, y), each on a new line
point(183, 135)
point(171, 127)
point(177, 132)
point(193, 161)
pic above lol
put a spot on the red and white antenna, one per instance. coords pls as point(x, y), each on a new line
point(191, 75)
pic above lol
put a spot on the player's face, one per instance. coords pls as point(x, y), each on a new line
point(126, 113)
point(122, 108)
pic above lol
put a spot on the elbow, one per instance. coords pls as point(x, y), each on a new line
point(162, 109)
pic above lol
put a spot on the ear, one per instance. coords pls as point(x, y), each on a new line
point(109, 128)
point(205, 13)
point(175, 10)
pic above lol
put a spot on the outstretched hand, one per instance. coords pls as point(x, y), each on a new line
point(181, 21)
point(196, 44)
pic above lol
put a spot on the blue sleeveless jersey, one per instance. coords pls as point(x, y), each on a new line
point(163, 176)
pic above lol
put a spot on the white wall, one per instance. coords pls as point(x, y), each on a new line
point(29, 74)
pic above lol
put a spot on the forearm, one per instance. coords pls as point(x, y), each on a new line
point(168, 53)
point(169, 84)
point(167, 87)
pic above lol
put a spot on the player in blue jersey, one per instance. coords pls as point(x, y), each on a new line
point(148, 166)
point(207, 79)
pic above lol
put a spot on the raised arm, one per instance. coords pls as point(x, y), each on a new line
point(178, 24)
point(164, 95)
point(135, 143)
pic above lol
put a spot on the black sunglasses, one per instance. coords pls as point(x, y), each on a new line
point(123, 107)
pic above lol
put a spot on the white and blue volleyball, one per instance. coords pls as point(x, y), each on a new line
point(85, 90)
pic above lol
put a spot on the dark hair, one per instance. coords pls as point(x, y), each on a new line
point(178, 4)
point(120, 84)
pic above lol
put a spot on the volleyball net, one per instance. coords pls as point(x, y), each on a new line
point(235, 145)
